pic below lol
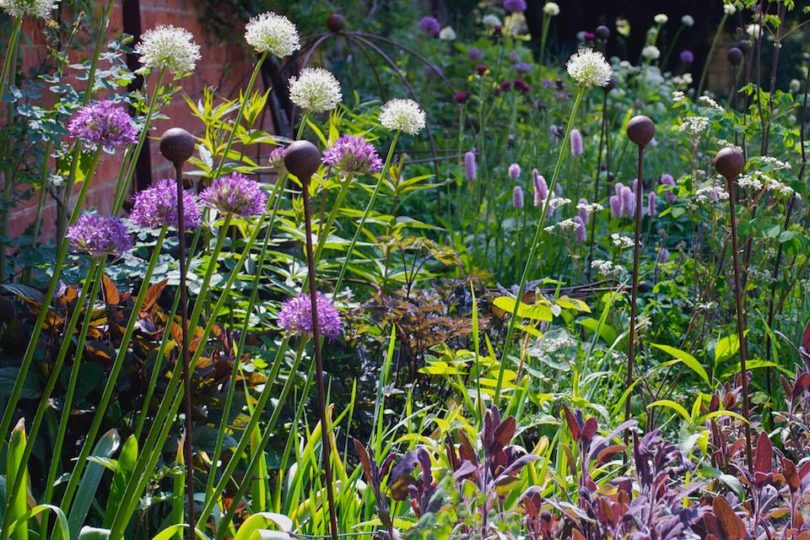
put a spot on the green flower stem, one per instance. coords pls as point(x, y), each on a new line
point(87, 300)
point(715, 39)
point(536, 241)
point(9, 64)
point(366, 212)
point(242, 337)
point(174, 393)
point(25, 365)
point(240, 112)
point(112, 379)
point(323, 232)
point(257, 452)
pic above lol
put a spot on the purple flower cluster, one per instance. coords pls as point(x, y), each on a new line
point(276, 159)
point(156, 207)
point(295, 316)
point(577, 147)
point(623, 201)
point(353, 155)
point(687, 57)
point(579, 229)
point(540, 187)
point(517, 197)
point(470, 167)
point(475, 54)
point(99, 235)
point(235, 194)
point(669, 182)
point(514, 6)
point(514, 171)
point(104, 124)
point(430, 26)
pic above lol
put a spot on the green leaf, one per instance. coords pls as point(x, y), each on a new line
point(687, 359)
point(255, 525)
point(726, 347)
point(754, 363)
point(93, 533)
point(536, 312)
point(669, 404)
point(126, 464)
point(86, 493)
point(17, 502)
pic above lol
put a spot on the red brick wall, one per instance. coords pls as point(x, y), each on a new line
point(226, 67)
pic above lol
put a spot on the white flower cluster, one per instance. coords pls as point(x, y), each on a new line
point(688, 20)
point(730, 9)
point(772, 184)
point(650, 53)
point(589, 68)
point(661, 18)
point(707, 194)
point(37, 8)
point(557, 202)
point(694, 125)
point(170, 48)
point(608, 268)
point(590, 207)
point(552, 9)
point(749, 182)
point(754, 31)
point(447, 34)
point(682, 80)
point(709, 103)
point(491, 21)
point(775, 163)
point(621, 241)
point(315, 90)
point(403, 115)
point(272, 33)
point(678, 96)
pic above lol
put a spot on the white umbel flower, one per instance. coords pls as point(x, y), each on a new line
point(447, 34)
point(315, 90)
point(403, 115)
point(552, 9)
point(661, 18)
point(589, 68)
point(491, 21)
point(36, 8)
point(688, 20)
point(729, 9)
point(272, 33)
point(650, 53)
point(170, 48)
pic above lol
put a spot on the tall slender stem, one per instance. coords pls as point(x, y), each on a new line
point(710, 54)
point(316, 341)
point(738, 295)
point(631, 347)
point(603, 134)
point(181, 255)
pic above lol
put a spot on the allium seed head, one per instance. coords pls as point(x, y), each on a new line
point(403, 115)
point(170, 48)
point(272, 33)
point(315, 90)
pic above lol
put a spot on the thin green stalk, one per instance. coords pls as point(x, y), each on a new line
point(536, 241)
point(112, 379)
point(709, 56)
point(25, 365)
point(9, 63)
point(323, 231)
point(366, 212)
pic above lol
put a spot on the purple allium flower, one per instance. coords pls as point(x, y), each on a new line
point(579, 230)
point(505, 85)
point(524, 67)
point(235, 194)
point(540, 187)
point(430, 26)
point(577, 148)
point(353, 155)
point(663, 255)
point(514, 171)
point(295, 316)
point(156, 207)
point(588, 36)
point(651, 200)
point(522, 85)
point(470, 167)
point(99, 235)
point(481, 69)
point(517, 197)
point(103, 123)
point(616, 206)
point(514, 6)
point(276, 159)
point(628, 202)
point(687, 57)
point(582, 209)
point(461, 97)
point(475, 54)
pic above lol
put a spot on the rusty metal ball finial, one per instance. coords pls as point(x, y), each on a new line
point(641, 130)
point(335, 23)
point(302, 159)
point(735, 56)
point(729, 162)
point(177, 145)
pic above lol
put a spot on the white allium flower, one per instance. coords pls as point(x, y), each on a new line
point(753, 30)
point(730, 9)
point(403, 115)
point(589, 68)
point(447, 33)
point(678, 96)
point(491, 20)
point(694, 125)
point(551, 9)
point(315, 90)
point(688, 20)
point(795, 85)
point(273, 33)
point(661, 18)
point(168, 47)
point(37, 8)
point(650, 53)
